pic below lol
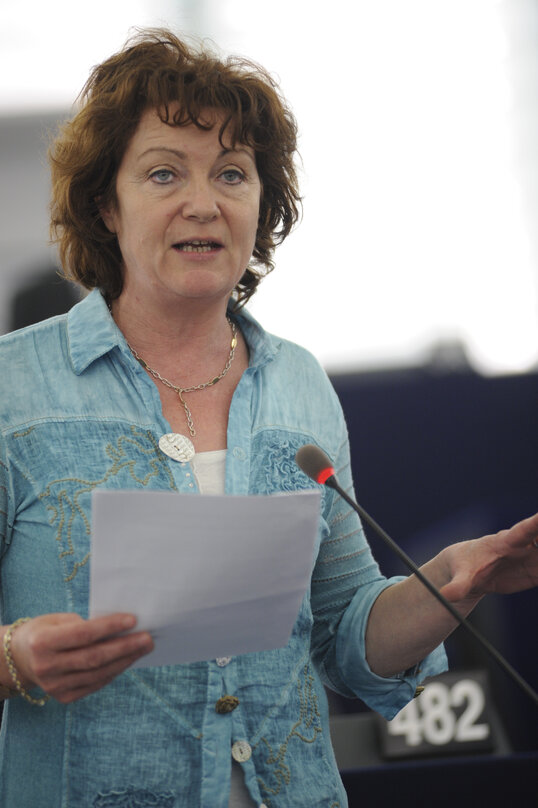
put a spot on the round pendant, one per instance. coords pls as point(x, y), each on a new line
point(177, 446)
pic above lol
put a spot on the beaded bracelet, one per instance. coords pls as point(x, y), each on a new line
point(13, 670)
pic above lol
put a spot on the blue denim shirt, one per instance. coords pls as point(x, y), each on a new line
point(77, 412)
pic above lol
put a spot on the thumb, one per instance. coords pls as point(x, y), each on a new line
point(458, 589)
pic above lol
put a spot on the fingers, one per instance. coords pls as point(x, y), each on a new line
point(457, 590)
point(69, 657)
point(101, 654)
point(77, 684)
point(525, 532)
point(504, 563)
point(68, 631)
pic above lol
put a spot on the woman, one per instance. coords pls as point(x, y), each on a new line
point(171, 187)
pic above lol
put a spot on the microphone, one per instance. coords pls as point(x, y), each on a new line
point(316, 465)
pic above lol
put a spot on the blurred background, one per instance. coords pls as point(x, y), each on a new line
point(413, 276)
point(418, 128)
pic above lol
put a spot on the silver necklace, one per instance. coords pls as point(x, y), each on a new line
point(178, 446)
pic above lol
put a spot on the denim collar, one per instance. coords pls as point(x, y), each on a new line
point(92, 333)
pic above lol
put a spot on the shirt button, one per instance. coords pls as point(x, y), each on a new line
point(223, 661)
point(226, 704)
point(241, 751)
point(239, 453)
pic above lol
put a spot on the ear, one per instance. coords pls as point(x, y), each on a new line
point(108, 214)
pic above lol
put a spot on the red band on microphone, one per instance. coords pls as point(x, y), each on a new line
point(324, 475)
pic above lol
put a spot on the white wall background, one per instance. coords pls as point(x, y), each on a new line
point(419, 164)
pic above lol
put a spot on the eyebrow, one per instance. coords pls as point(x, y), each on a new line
point(184, 156)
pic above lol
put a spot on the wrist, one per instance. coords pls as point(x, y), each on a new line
point(7, 692)
point(19, 683)
point(459, 585)
point(17, 654)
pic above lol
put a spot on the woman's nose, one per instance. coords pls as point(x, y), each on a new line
point(200, 202)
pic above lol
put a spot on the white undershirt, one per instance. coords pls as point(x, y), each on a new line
point(209, 469)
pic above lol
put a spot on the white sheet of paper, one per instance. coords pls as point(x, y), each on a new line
point(208, 576)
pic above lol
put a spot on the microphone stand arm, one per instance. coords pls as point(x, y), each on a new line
point(492, 651)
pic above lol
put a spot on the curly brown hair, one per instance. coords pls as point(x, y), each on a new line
point(156, 70)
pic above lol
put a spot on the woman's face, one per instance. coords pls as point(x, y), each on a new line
point(186, 213)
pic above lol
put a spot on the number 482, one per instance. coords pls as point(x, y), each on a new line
point(432, 717)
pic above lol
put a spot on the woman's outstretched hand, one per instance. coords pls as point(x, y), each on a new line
point(69, 657)
point(406, 622)
point(501, 563)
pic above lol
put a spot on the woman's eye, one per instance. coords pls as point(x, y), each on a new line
point(161, 176)
point(232, 176)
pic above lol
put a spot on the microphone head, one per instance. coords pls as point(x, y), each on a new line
point(315, 463)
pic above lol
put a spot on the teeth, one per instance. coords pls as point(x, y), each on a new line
point(196, 246)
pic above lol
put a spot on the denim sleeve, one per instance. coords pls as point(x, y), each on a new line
point(4, 499)
point(345, 583)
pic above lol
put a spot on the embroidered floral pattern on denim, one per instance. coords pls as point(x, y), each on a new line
point(92, 418)
point(135, 798)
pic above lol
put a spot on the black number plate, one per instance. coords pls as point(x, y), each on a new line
point(451, 715)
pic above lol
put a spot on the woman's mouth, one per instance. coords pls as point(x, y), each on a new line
point(197, 246)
